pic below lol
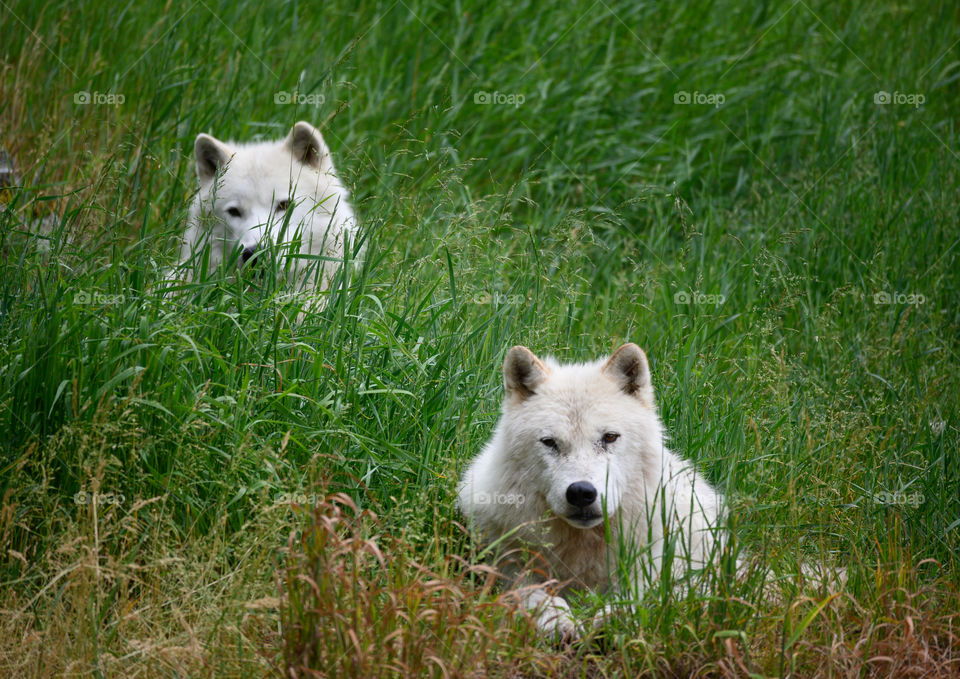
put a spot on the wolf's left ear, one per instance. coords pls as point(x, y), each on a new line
point(307, 146)
point(628, 367)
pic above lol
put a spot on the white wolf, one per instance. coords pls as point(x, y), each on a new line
point(257, 195)
point(579, 451)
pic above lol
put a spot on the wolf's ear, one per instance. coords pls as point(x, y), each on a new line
point(307, 146)
point(628, 367)
point(211, 155)
point(523, 372)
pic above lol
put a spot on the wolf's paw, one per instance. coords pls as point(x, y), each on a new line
point(553, 615)
point(558, 622)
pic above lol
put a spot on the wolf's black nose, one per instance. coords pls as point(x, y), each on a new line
point(581, 494)
point(248, 253)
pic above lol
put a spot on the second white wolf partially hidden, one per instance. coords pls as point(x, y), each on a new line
point(255, 196)
point(576, 467)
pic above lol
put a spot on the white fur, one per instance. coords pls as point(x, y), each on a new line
point(515, 491)
point(253, 178)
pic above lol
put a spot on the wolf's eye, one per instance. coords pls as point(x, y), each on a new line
point(549, 442)
point(282, 205)
point(234, 212)
point(610, 437)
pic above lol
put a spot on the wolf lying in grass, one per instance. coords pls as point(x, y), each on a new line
point(579, 451)
point(255, 196)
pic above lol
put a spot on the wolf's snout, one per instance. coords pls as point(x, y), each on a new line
point(581, 494)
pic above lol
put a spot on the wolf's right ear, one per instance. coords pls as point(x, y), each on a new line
point(211, 155)
point(523, 372)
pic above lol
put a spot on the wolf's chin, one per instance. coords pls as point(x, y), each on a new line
point(584, 521)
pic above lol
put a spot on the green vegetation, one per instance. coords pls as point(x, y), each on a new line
point(754, 193)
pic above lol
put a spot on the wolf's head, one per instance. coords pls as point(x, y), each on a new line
point(262, 194)
point(582, 430)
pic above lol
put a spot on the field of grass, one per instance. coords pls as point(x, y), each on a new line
point(764, 196)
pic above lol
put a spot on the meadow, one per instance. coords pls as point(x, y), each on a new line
point(764, 196)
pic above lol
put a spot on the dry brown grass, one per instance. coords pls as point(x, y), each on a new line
point(358, 604)
point(360, 598)
point(117, 599)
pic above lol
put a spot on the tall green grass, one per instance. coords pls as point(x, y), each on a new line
point(788, 257)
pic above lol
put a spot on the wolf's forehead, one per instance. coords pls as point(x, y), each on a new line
point(579, 407)
point(250, 189)
point(264, 175)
